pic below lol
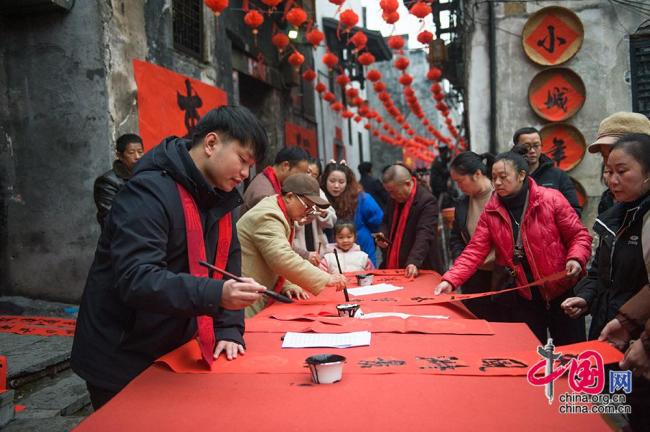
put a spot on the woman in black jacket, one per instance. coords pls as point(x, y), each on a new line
point(618, 270)
point(470, 172)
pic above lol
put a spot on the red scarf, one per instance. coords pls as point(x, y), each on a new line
point(196, 253)
point(280, 283)
point(400, 223)
point(269, 172)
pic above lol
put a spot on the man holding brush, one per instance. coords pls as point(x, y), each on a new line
point(146, 293)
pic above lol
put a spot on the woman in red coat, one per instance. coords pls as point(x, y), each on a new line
point(551, 239)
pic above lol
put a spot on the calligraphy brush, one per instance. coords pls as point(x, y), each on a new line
point(272, 294)
point(338, 263)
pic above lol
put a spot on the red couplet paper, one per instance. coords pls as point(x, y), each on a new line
point(37, 326)
point(170, 103)
point(498, 355)
point(375, 325)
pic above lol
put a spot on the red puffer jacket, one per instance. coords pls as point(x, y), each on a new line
point(551, 234)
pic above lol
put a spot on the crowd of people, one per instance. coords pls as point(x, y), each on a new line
point(299, 225)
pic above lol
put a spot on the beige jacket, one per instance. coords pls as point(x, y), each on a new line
point(266, 253)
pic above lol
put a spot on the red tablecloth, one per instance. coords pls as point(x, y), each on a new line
point(245, 400)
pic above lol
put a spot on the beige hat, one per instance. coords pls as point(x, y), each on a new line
point(617, 125)
point(305, 185)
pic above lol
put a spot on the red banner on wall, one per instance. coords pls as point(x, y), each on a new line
point(298, 136)
point(171, 103)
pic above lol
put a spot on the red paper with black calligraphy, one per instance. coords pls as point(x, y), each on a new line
point(3, 373)
point(298, 136)
point(556, 94)
point(551, 38)
point(563, 144)
point(37, 326)
point(170, 103)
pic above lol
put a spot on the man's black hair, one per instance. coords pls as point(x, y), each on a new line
point(233, 123)
point(365, 168)
point(126, 139)
point(523, 131)
point(293, 155)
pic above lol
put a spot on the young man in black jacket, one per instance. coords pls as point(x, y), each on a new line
point(144, 294)
point(528, 142)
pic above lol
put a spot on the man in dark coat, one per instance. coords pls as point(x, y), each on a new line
point(528, 142)
point(409, 230)
point(373, 185)
point(141, 300)
point(128, 149)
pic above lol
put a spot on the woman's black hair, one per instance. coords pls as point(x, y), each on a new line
point(516, 159)
point(467, 163)
point(342, 224)
point(638, 146)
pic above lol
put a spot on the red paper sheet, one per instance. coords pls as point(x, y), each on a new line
point(167, 402)
point(375, 325)
point(389, 353)
point(37, 326)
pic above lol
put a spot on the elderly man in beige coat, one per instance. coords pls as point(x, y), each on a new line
point(265, 234)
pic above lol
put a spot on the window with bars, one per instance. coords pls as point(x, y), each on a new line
point(187, 17)
point(640, 73)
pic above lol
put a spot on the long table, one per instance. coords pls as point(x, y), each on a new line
point(245, 398)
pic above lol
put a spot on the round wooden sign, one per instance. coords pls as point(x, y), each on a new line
point(564, 144)
point(552, 36)
point(556, 94)
point(580, 190)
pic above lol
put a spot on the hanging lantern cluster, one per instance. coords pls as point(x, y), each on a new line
point(435, 74)
point(389, 11)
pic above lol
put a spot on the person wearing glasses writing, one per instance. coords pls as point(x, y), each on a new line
point(528, 143)
point(266, 232)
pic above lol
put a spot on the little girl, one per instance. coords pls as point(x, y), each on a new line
point(351, 257)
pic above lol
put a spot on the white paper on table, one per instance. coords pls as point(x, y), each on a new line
point(326, 340)
point(373, 289)
point(397, 314)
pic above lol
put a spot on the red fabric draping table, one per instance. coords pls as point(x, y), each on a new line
point(241, 398)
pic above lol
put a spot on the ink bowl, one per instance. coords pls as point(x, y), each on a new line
point(364, 279)
point(326, 368)
point(347, 309)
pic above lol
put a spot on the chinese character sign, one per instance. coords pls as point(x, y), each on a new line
point(171, 103)
point(552, 36)
point(297, 136)
point(556, 94)
point(563, 144)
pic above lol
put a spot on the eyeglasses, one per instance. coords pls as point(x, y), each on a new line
point(308, 210)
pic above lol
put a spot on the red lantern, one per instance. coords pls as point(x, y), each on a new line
point(359, 40)
point(296, 59)
point(337, 2)
point(439, 96)
point(342, 80)
point(390, 17)
point(384, 97)
point(396, 42)
point(366, 59)
point(420, 9)
point(349, 18)
point(296, 16)
point(434, 74)
point(347, 114)
point(373, 75)
point(309, 75)
point(329, 96)
point(389, 5)
point(217, 6)
point(320, 87)
point(357, 101)
point(401, 63)
point(351, 93)
point(330, 60)
point(367, 126)
point(253, 19)
point(379, 87)
point(424, 37)
point(435, 88)
point(406, 79)
point(315, 37)
point(280, 40)
point(337, 106)
point(272, 3)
